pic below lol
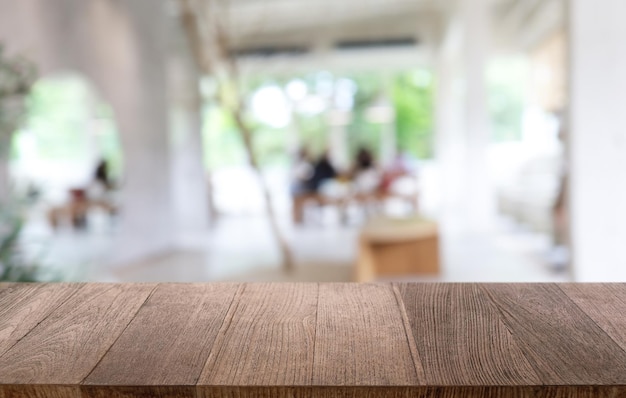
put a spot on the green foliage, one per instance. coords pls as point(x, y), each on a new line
point(222, 142)
point(14, 266)
point(413, 101)
point(61, 113)
point(411, 95)
point(361, 132)
point(16, 78)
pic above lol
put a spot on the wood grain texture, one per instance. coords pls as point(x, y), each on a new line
point(460, 338)
point(66, 345)
point(137, 391)
point(418, 392)
point(564, 346)
point(167, 343)
point(605, 304)
point(267, 339)
point(39, 391)
point(310, 340)
point(24, 306)
point(361, 339)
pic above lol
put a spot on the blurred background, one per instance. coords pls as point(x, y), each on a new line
point(312, 140)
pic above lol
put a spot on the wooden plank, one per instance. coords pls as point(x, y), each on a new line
point(267, 339)
point(167, 344)
point(564, 346)
point(420, 391)
point(605, 304)
point(65, 347)
point(460, 338)
point(361, 338)
point(24, 306)
point(39, 391)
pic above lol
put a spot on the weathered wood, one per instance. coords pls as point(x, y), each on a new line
point(418, 391)
point(66, 345)
point(39, 391)
point(267, 339)
point(460, 338)
point(605, 304)
point(564, 346)
point(310, 340)
point(167, 344)
point(361, 339)
point(22, 307)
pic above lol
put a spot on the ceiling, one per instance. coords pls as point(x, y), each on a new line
point(335, 32)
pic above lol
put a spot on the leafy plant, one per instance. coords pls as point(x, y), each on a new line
point(17, 76)
point(14, 264)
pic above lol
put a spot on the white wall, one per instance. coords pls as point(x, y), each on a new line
point(598, 139)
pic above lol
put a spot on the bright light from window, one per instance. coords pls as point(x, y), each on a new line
point(270, 107)
point(297, 90)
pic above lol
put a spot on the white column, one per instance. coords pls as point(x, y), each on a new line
point(462, 118)
point(598, 139)
point(479, 193)
point(189, 178)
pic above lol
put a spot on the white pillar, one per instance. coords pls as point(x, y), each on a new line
point(189, 178)
point(479, 192)
point(598, 139)
point(462, 118)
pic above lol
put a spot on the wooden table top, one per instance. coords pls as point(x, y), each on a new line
point(310, 340)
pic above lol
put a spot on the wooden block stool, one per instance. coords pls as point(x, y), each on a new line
point(397, 247)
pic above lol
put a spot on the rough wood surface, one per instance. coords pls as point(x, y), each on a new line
point(312, 340)
point(267, 339)
point(65, 346)
point(361, 338)
point(605, 304)
point(564, 346)
point(461, 339)
point(23, 307)
point(168, 342)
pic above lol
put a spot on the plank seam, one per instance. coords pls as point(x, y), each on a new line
point(420, 374)
point(502, 319)
point(590, 318)
point(82, 285)
point(230, 313)
point(119, 335)
point(317, 309)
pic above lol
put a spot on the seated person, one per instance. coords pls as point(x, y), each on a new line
point(95, 194)
point(302, 173)
point(364, 173)
point(308, 187)
point(323, 171)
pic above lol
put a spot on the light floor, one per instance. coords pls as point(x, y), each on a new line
point(242, 249)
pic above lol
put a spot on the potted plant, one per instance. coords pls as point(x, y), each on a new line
point(17, 76)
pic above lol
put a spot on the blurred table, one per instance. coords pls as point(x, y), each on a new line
point(312, 340)
point(390, 247)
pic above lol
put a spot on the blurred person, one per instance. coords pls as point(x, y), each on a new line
point(97, 194)
point(401, 166)
point(302, 173)
point(309, 178)
point(365, 174)
point(323, 171)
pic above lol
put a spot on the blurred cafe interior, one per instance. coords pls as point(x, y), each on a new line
point(312, 140)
